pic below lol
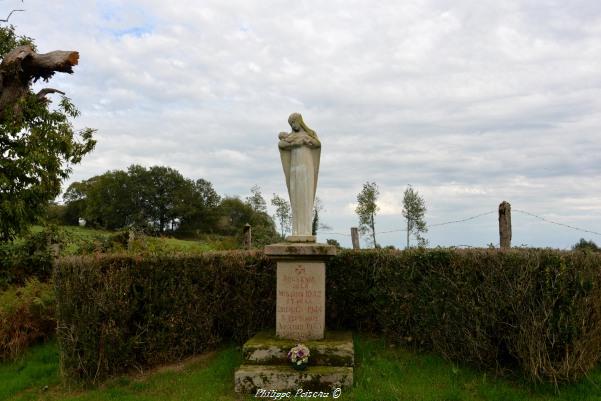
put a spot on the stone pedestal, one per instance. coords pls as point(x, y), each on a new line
point(300, 318)
point(301, 238)
point(266, 364)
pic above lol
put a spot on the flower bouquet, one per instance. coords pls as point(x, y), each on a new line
point(299, 357)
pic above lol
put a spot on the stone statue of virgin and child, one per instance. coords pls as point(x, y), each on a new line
point(300, 151)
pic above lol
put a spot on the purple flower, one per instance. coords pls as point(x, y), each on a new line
point(300, 353)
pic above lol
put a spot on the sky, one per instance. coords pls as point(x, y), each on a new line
point(470, 102)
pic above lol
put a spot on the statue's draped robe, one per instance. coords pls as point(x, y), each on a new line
point(301, 168)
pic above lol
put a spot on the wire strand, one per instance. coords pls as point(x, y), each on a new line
point(556, 223)
point(444, 223)
point(462, 220)
point(431, 225)
point(481, 215)
point(332, 233)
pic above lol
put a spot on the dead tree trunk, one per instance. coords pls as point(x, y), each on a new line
point(22, 66)
point(505, 225)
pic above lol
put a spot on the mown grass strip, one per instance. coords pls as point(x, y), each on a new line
point(382, 373)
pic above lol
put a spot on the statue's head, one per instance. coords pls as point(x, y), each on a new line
point(296, 121)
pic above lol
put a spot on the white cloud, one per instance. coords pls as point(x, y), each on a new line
point(470, 102)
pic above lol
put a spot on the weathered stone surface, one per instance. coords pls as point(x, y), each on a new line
point(265, 348)
point(505, 225)
point(301, 300)
point(301, 238)
point(300, 151)
point(250, 378)
point(303, 251)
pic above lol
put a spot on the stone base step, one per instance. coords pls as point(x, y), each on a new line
point(336, 349)
point(252, 378)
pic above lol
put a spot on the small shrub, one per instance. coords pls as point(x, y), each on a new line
point(334, 243)
point(31, 257)
point(26, 317)
point(586, 246)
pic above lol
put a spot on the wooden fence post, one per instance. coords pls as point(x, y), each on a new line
point(247, 236)
point(355, 237)
point(505, 225)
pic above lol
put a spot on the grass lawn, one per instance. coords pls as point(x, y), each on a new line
point(79, 236)
point(381, 374)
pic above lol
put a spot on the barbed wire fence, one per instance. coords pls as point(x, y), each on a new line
point(524, 212)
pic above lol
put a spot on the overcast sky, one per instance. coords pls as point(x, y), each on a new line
point(471, 102)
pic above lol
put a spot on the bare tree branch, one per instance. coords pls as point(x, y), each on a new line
point(46, 91)
point(9, 15)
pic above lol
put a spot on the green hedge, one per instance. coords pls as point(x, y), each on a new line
point(535, 310)
point(121, 312)
point(538, 311)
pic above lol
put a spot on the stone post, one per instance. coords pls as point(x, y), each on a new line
point(505, 225)
point(247, 236)
point(355, 237)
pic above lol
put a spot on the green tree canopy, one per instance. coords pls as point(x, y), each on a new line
point(108, 203)
point(166, 191)
point(38, 144)
point(234, 214)
point(157, 199)
point(204, 215)
point(9, 40)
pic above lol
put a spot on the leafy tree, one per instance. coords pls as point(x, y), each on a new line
point(414, 208)
point(207, 194)
point(263, 230)
point(200, 208)
point(156, 199)
point(38, 144)
point(9, 40)
point(317, 225)
point(234, 214)
point(107, 200)
point(367, 209)
point(55, 214)
point(140, 198)
point(584, 245)
point(282, 213)
point(167, 189)
point(74, 199)
point(256, 200)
